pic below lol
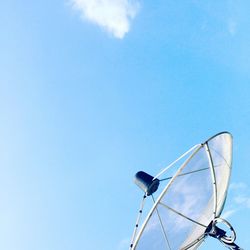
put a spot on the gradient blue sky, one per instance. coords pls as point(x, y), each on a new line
point(84, 105)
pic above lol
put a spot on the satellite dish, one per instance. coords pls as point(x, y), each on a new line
point(188, 208)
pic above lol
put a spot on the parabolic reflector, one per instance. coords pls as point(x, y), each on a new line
point(192, 198)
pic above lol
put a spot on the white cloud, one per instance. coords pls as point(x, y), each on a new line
point(232, 27)
point(240, 195)
point(243, 200)
point(238, 186)
point(124, 244)
point(227, 214)
point(240, 199)
point(113, 15)
point(236, 203)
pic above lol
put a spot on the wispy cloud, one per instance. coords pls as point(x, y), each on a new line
point(228, 213)
point(240, 199)
point(243, 200)
point(114, 16)
point(232, 27)
point(238, 186)
point(123, 244)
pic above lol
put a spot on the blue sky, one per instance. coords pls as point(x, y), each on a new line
point(92, 92)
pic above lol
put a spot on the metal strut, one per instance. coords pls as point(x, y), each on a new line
point(218, 233)
point(137, 221)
